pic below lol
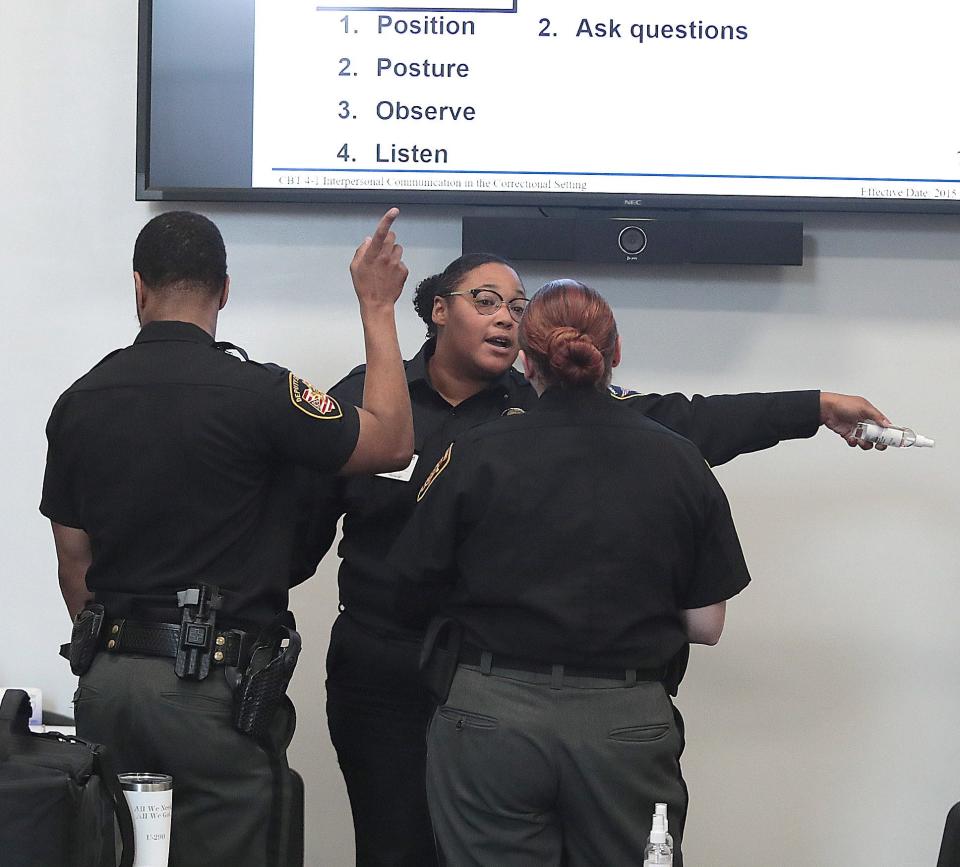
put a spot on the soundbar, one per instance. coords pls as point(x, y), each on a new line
point(637, 241)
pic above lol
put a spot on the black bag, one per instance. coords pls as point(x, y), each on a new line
point(58, 797)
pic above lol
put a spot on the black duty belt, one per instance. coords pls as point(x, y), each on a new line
point(230, 646)
point(472, 655)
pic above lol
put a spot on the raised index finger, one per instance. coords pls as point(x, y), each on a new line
point(383, 227)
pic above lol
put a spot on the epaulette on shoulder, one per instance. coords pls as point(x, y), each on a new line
point(231, 349)
point(620, 393)
point(359, 370)
point(109, 355)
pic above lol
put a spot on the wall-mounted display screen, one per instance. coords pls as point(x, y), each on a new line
point(612, 103)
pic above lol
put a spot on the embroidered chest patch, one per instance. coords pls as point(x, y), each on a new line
point(442, 464)
point(312, 401)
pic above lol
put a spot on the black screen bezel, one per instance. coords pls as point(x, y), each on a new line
point(620, 202)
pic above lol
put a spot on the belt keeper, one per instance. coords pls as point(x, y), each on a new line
point(556, 676)
point(486, 662)
point(113, 633)
point(631, 678)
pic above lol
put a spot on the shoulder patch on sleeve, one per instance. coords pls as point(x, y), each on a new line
point(312, 401)
point(442, 464)
point(231, 349)
point(621, 393)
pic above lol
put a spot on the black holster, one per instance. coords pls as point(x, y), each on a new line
point(261, 688)
point(84, 638)
point(676, 668)
point(438, 664)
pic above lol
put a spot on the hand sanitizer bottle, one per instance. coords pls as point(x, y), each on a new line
point(657, 853)
point(896, 437)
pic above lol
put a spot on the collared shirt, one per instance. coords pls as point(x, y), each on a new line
point(178, 460)
point(576, 533)
point(376, 508)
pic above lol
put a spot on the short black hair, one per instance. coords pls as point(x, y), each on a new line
point(181, 250)
point(447, 281)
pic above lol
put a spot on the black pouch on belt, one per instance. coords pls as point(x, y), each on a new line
point(199, 606)
point(261, 688)
point(83, 640)
point(438, 664)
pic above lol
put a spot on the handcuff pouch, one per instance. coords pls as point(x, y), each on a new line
point(85, 638)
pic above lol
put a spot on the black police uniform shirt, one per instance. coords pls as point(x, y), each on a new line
point(376, 508)
point(178, 460)
point(575, 533)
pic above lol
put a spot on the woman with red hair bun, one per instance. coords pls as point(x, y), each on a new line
point(568, 554)
point(570, 336)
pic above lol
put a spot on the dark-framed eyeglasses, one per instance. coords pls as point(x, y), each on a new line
point(489, 301)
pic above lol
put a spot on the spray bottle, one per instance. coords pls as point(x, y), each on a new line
point(658, 853)
point(895, 437)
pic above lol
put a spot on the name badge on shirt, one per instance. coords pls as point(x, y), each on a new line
point(405, 474)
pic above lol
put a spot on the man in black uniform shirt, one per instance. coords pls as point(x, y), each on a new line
point(462, 376)
point(171, 465)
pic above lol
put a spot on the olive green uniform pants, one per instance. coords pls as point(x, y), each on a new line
point(523, 771)
point(230, 795)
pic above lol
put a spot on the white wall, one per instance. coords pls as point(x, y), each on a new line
point(827, 718)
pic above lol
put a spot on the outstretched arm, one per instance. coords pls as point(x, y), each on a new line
point(724, 426)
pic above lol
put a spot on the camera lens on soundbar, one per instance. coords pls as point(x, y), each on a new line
point(632, 240)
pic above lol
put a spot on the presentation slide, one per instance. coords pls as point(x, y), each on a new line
point(835, 99)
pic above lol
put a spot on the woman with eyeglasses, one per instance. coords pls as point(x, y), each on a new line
point(577, 548)
point(463, 375)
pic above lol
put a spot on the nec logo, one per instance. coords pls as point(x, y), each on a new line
point(633, 201)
